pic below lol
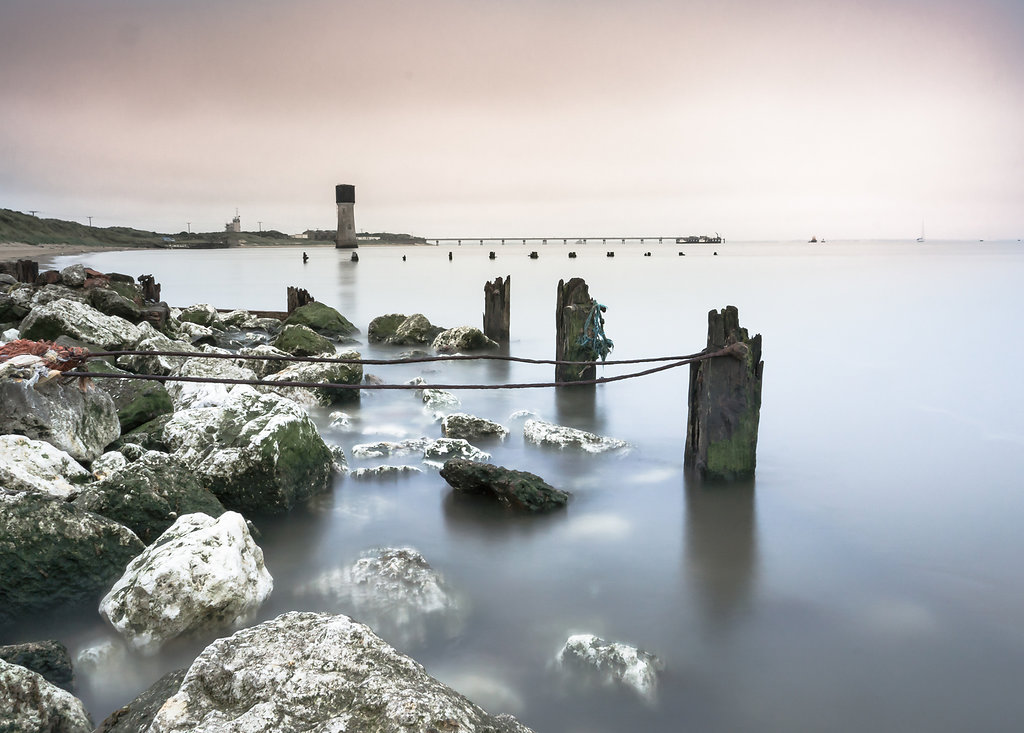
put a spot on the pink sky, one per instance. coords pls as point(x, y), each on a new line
point(758, 119)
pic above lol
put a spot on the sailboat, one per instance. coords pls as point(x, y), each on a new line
point(921, 238)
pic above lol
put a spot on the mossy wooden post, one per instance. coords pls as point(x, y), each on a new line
point(571, 311)
point(497, 296)
point(725, 403)
point(298, 297)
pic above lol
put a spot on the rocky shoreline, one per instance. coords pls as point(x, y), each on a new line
point(135, 496)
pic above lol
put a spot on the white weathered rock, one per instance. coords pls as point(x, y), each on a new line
point(240, 319)
point(462, 339)
point(384, 472)
point(560, 436)
point(73, 275)
point(80, 321)
point(340, 463)
point(201, 573)
point(395, 591)
point(205, 394)
point(11, 334)
point(308, 671)
point(263, 367)
point(30, 703)
point(443, 449)
point(340, 421)
point(613, 663)
point(152, 340)
point(196, 333)
point(470, 427)
point(32, 465)
point(319, 372)
point(110, 462)
point(380, 449)
point(202, 314)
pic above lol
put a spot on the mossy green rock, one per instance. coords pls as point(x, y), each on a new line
point(515, 489)
point(106, 300)
point(299, 340)
point(323, 319)
point(147, 496)
point(382, 328)
point(414, 330)
point(137, 401)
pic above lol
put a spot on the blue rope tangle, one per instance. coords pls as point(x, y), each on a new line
point(593, 339)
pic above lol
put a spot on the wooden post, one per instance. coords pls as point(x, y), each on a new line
point(497, 296)
point(298, 297)
point(725, 403)
point(26, 271)
point(150, 288)
point(571, 310)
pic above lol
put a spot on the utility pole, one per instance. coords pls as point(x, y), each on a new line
point(189, 225)
point(33, 212)
point(261, 226)
point(90, 220)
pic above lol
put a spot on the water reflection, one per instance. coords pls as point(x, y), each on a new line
point(576, 406)
point(482, 517)
point(721, 549)
point(347, 300)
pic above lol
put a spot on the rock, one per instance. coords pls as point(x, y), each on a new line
point(300, 340)
point(414, 330)
point(256, 452)
point(559, 436)
point(309, 671)
point(33, 465)
point(234, 339)
point(197, 335)
point(107, 464)
point(319, 372)
point(205, 394)
point(202, 573)
point(461, 339)
point(263, 367)
point(202, 314)
point(50, 659)
point(444, 449)
point(240, 319)
point(137, 401)
point(437, 401)
point(148, 436)
point(138, 715)
point(340, 421)
point(390, 472)
point(380, 449)
point(73, 276)
point(11, 310)
point(461, 425)
point(107, 301)
point(613, 663)
point(323, 319)
point(382, 328)
point(53, 553)
point(79, 321)
point(82, 423)
point(339, 463)
point(148, 495)
point(515, 489)
point(152, 340)
point(393, 590)
point(28, 703)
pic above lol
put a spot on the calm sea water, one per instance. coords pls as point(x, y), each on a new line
point(870, 579)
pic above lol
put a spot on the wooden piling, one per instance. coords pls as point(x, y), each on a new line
point(298, 297)
point(150, 288)
point(572, 308)
point(497, 312)
point(725, 403)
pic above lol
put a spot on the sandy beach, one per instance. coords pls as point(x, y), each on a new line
point(22, 251)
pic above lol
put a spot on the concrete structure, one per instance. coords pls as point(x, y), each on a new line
point(235, 225)
point(345, 195)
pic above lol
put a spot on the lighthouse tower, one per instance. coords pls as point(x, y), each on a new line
point(345, 195)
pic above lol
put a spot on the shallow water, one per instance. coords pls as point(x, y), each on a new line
point(868, 579)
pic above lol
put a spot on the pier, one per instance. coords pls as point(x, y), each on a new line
point(674, 239)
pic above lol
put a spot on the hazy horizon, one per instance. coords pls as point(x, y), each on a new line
point(759, 120)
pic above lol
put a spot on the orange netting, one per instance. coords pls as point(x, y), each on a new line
point(59, 358)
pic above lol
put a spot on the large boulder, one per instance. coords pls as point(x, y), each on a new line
point(323, 319)
point(73, 275)
point(299, 340)
point(515, 489)
point(611, 663)
point(33, 465)
point(79, 321)
point(11, 311)
point(28, 703)
point(461, 339)
point(202, 314)
point(256, 452)
point(414, 330)
point(137, 715)
point(382, 328)
point(320, 373)
point(470, 427)
point(152, 340)
point(149, 495)
point(205, 394)
point(112, 303)
point(394, 590)
point(202, 573)
point(47, 658)
point(540, 432)
point(53, 553)
point(310, 671)
point(266, 366)
point(81, 422)
point(137, 401)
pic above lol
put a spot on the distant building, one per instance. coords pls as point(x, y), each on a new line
point(345, 196)
point(235, 225)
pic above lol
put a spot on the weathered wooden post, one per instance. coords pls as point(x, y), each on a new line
point(150, 288)
point(26, 271)
point(298, 297)
point(497, 296)
point(725, 402)
point(572, 313)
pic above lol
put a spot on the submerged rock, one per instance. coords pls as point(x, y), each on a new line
point(382, 328)
point(256, 452)
point(384, 472)
point(32, 465)
point(53, 553)
point(437, 402)
point(202, 573)
point(444, 449)
point(149, 495)
point(50, 659)
point(612, 663)
point(461, 339)
point(81, 423)
point(413, 331)
point(560, 436)
point(30, 703)
point(394, 590)
point(515, 489)
point(383, 448)
point(309, 671)
point(469, 427)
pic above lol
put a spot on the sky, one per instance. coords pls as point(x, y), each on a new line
point(756, 119)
